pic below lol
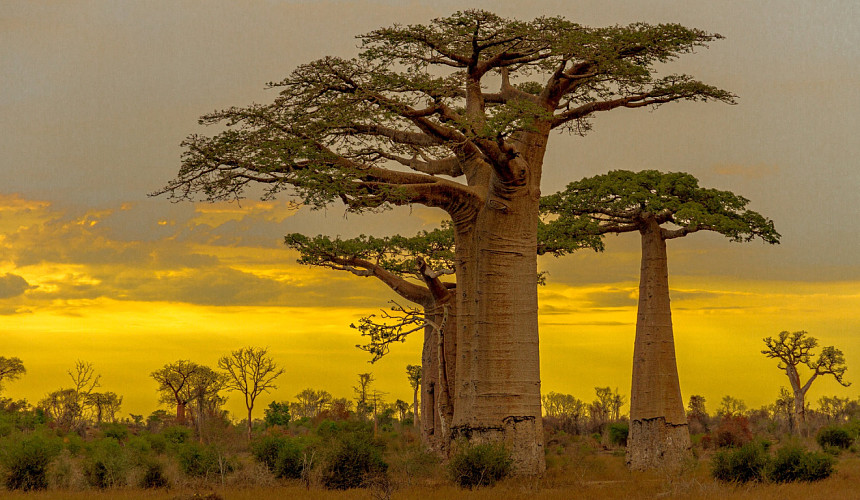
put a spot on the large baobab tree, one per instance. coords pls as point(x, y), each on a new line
point(251, 372)
point(410, 121)
point(10, 369)
point(645, 202)
point(795, 349)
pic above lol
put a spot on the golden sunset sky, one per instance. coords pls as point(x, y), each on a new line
point(95, 98)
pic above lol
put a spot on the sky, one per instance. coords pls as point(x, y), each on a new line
point(98, 95)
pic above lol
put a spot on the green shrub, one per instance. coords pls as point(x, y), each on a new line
point(794, 463)
point(740, 465)
point(157, 442)
point(107, 464)
point(25, 461)
point(116, 431)
point(266, 449)
point(834, 437)
point(277, 414)
point(153, 476)
point(197, 460)
point(480, 465)
point(354, 461)
point(281, 455)
point(177, 434)
point(618, 432)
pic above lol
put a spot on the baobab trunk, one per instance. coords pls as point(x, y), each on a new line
point(497, 394)
point(437, 374)
point(659, 437)
point(180, 412)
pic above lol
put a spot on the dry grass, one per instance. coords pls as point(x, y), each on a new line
point(599, 477)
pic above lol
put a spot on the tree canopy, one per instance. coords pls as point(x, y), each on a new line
point(618, 202)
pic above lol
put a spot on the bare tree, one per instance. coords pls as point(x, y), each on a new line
point(172, 379)
point(252, 373)
point(309, 403)
point(10, 369)
point(795, 349)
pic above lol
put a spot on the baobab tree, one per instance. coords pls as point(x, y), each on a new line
point(174, 380)
point(410, 121)
point(412, 267)
point(10, 369)
point(795, 349)
point(251, 372)
point(623, 201)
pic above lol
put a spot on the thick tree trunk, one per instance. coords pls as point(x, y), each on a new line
point(659, 437)
point(180, 413)
point(497, 394)
point(798, 416)
point(250, 423)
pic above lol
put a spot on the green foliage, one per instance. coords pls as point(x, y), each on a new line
point(177, 434)
point(618, 432)
point(741, 465)
point(116, 431)
point(196, 460)
point(616, 202)
point(281, 455)
point(158, 442)
point(480, 465)
point(277, 414)
point(834, 437)
point(353, 461)
point(794, 463)
point(25, 461)
point(107, 464)
point(751, 462)
point(153, 476)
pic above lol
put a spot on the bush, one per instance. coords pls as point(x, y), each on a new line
point(116, 431)
point(107, 464)
point(794, 463)
point(25, 462)
point(733, 431)
point(618, 432)
point(177, 434)
point(741, 465)
point(834, 437)
point(354, 461)
point(153, 476)
point(281, 455)
point(480, 465)
point(197, 460)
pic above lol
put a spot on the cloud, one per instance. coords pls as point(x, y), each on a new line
point(12, 285)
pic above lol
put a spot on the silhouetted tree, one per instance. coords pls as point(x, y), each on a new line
point(251, 372)
point(795, 349)
point(10, 369)
point(173, 381)
point(731, 406)
point(309, 403)
point(362, 400)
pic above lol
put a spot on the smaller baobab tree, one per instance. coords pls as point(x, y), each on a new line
point(10, 369)
point(173, 381)
point(644, 202)
point(251, 372)
point(795, 349)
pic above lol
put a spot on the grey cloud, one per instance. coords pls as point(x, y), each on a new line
point(12, 285)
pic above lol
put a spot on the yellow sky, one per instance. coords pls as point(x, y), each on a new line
point(98, 95)
point(129, 306)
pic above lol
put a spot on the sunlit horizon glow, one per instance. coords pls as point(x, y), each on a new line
point(98, 96)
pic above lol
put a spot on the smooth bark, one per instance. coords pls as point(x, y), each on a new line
point(659, 437)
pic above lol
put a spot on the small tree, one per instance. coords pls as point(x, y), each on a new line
point(277, 414)
point(362, 399)
point(10, 369)
point(251, 372)
point(795, 349)
point(172, 380)
point(731, 406)
point(310, 403)
point(414, 373)
point(105, 405)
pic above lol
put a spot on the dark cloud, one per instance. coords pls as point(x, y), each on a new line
point(12, 285)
